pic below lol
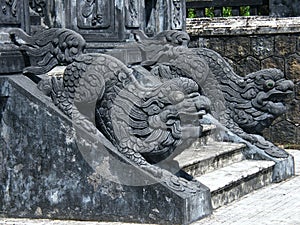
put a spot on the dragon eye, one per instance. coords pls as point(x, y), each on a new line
point(269, 84)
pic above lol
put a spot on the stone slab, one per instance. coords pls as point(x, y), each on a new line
point(200, 159)
point(242, 25)
point(232, 182)
point(233, 173)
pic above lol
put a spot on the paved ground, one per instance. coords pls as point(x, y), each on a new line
point(277, 204)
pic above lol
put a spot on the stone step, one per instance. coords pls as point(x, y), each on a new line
point(236, 180)
point(203, 158)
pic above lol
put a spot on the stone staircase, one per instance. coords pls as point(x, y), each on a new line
point(222, 167)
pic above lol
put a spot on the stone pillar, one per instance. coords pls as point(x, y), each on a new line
point(13, 14)
point(164, 15)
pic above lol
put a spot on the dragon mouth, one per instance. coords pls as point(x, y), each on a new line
point(280, 96)
point(191, 121)
point(198, 113)
point(275, 97)
point(275, 101)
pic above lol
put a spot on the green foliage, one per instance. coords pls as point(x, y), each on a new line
point(191, 13)
point(245, 10)
point(209, 12)
point(227, 11)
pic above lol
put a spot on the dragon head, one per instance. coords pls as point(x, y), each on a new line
point(264, 94)
point(157, 120)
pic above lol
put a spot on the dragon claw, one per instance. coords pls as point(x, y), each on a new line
point(276, 152)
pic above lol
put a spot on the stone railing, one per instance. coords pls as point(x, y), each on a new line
point(253, 43)
point(219, 8)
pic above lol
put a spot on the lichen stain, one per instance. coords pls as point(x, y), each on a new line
point(295, 68)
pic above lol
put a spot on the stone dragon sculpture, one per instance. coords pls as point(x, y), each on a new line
point(252, 102)
point(154, 109)
point(243, 105)
point(146, 119)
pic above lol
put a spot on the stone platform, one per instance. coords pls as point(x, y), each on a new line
point(275, 204)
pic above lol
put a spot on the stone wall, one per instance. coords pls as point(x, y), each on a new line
point(253, 43)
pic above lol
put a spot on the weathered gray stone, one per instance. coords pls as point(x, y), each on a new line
point(284, 8)
point(247, 65)
point(66, 167)
point(298, 44)
point(237, 180)
point(293, 66)
point(216, 44)
point(297, 94)
point(285, 45)
point(14, 14)
point(11, 59)
point(204, 158)
point(253, 25)
point(237, 47)
point(262, 46)
point(103, 23)
point(289, 138)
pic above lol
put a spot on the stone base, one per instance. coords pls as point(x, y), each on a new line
point(11, 59)
point(48, 172)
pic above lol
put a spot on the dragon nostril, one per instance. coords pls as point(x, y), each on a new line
point(203, 103)
point(285, 85)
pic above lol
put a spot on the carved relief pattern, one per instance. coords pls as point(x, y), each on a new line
point(93, 14)
point(177, 15)
point(9, 10)
point(13, 6)
point(132, 15)
point(39, 6)
point(179, 184)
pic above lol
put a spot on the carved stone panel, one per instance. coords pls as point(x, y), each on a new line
point(39, 6)
point(14, 13)
point(93, 14)
point(132, 13)
point(177, 14)
point(95, 20)
point(9, 11)
point(164, 15)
